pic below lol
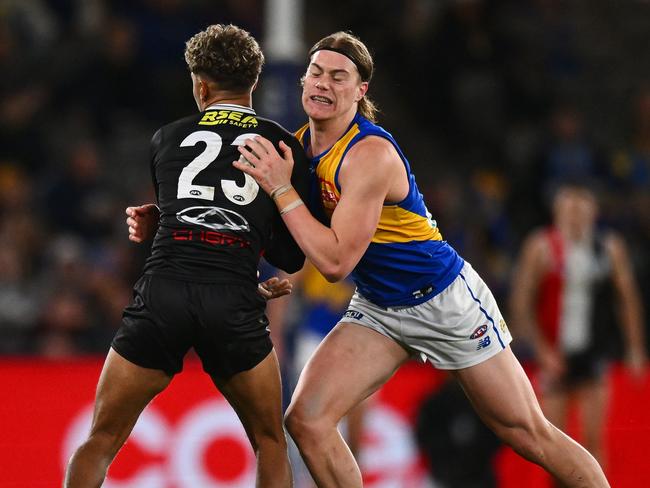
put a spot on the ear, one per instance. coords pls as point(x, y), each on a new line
point(363, 89)
point(254, 85)
point(203, 90)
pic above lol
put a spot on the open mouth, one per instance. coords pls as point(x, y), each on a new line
point(321, 100)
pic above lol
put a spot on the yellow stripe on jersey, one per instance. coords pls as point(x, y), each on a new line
point(329, 163)
point(399, 225)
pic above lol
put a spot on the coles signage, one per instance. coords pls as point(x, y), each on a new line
point(190, 437)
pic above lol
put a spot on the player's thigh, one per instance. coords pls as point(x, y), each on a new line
point(501, 392)
point(256, 396)
point(157, 326)
point(350, 364)
point(123, 391)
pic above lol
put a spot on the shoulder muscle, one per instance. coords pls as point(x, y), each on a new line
point(371, 162)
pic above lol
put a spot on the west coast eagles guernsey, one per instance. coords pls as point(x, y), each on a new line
point(407, 262)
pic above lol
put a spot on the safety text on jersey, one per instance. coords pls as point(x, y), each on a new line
point(238, 119)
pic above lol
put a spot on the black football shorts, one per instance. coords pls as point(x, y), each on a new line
point(584, 366)
point(225, 324)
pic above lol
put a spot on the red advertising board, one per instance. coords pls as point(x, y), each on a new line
point(190, 437)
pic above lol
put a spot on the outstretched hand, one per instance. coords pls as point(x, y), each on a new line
point(142, 222)
point(270, 168)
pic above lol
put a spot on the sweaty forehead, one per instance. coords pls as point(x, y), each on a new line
point(333, 61)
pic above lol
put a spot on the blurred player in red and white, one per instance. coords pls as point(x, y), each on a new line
point(571, 277)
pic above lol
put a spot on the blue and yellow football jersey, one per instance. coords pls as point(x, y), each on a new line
point(407, 261)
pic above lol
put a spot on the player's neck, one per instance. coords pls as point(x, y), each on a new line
point(228, 98)
point(325, 133)
point(573, 233)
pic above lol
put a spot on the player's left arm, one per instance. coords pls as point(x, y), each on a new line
point(631, 312)
point(365, 178)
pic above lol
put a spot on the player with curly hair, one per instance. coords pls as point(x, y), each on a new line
point(199, 287)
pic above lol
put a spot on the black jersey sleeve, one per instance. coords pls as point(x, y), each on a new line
point(283, 252)
point(156, 142)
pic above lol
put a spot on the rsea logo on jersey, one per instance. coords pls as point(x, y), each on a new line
point(217, 117)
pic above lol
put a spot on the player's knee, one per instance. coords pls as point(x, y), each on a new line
point(100, 448)
point(303, 425)
point(268, 437)
point(106, 441)
point(295, 422)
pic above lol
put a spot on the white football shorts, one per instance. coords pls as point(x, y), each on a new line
point(459, 327)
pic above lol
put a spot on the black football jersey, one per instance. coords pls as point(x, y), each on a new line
point(215, 221)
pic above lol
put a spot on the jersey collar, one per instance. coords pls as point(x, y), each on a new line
point(231, 106)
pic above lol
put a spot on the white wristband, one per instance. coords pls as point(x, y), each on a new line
point(281, 190)
point(295, 204)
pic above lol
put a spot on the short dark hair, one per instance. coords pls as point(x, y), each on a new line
point(352, 47)
point(227, 54)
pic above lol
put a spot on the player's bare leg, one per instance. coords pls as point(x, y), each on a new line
point(256, 396)
point(123, 391)
point(593, 397)
point(354, 427)
point(349, 365)
point(503, 397)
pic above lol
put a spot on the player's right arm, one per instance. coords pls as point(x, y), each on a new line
point(142, 221)
point(367, 174)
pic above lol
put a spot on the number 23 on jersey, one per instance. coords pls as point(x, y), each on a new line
point(240, 195)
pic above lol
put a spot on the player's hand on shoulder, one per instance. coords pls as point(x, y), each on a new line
point(274, 288)
point(260, 159)
point(142, 222)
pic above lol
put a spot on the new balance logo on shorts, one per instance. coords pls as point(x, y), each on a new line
point(485, 342)
point(353, 314)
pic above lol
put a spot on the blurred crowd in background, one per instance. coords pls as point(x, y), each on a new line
point(495, 103)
